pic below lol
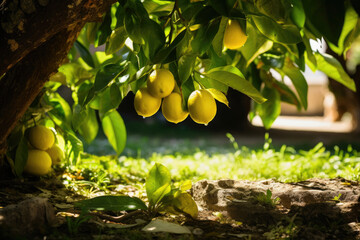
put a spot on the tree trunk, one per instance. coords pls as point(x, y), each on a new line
point(35, 37)
point(346, 100)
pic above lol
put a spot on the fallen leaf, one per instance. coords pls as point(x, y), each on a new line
point(158, 225)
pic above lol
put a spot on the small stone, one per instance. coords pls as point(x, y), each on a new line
point(198, 231)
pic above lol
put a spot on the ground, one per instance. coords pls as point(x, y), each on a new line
point(314, 193)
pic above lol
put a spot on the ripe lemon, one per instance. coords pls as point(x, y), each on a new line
point(56, 154)
point(41, 137)
point(202, 106)
point(38, 163)
point(160, 83)
point(172, 108)
point(234, 36)
point(145, 104)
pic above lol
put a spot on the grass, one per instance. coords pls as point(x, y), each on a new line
point(191, 160)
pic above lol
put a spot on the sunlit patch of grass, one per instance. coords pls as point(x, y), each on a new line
point(286, 164)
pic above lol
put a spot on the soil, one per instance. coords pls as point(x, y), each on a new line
point(314, 209)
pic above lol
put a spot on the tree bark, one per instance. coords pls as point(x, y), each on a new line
point(35, 37)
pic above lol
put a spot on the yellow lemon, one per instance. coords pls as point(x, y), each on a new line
point(145, 104)
point(160, 83)
point(41, 137)
point(38, 163)
point(202, 106)
point(56, 154)
point(234, 36)
point(172, 108)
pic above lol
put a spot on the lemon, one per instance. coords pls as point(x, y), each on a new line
point(41, 137)
point(56, 154)
point(38, 163)
point(202, 106)
point(145, 104)
point(172, 108)
point(160, 83)
point(234, 36)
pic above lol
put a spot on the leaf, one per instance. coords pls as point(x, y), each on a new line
point(78, 116)
point(298, 80)
point(158, 225)
point(184, 203)
point(218, 95)
point(227, 76)
point(165, 52)
point(76, 146)
point(61, 108)
point(350, 21)
point(218, 40)
point(187, 185)
point(104, 30)
point(89, 127)
point(160, 193)
point(115, 131)
point(332, 67)
point(21, 156)
point(272, 8)
point(297, 13)
point(106, 74)
point(159, 177)
point(287, 95)
point(186, 66)
point(288, 34)
point(84, 53)
point(115, 95)
point(112, 203)
point(269, 110)
point(133, 26)
point(255, 45)
point(204, 36)
point(116, 41)
point(223, 7)
point(154, 38)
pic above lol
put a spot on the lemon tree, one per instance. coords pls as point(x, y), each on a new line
point(193, 48)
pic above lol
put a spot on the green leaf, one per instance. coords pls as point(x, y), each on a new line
point(61, 107)
point(89, 127)
point(116, 41)
point(272, 8)
point(21, 156)
point(133, 26)
point(160, 193)
point(350, 21)
point(332, 67)
point(287, 95)
point(91, 29)
point(78, 116)
point(298, 80)
point(112, 203)
point(223, 7)
point(325, 18)
point(106, 74)
point(204, 36)
point(154, 38)
point(85, 54)
point(218, 95)
point(186, 66)
point(165, 52)
point(158, 178)
point(273, 59)
point(297, 13)
point(255, 45)
point(285, 33)
point(115, 95)
point(271, 109)
point(218, 41)
point(76, 146)
point(104, 30)
point(236, 81)
point(115, 131)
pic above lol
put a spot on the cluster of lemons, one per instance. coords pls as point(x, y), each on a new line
point(161, 91)
point(43, 152)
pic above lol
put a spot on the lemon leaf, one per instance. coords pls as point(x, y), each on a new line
point(219, 96)
point(184, 203)
point(115, 131)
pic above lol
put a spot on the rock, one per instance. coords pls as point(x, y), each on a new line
point(239, 199)
point(27, 218)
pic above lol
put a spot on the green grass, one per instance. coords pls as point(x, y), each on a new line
point(211, 160)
